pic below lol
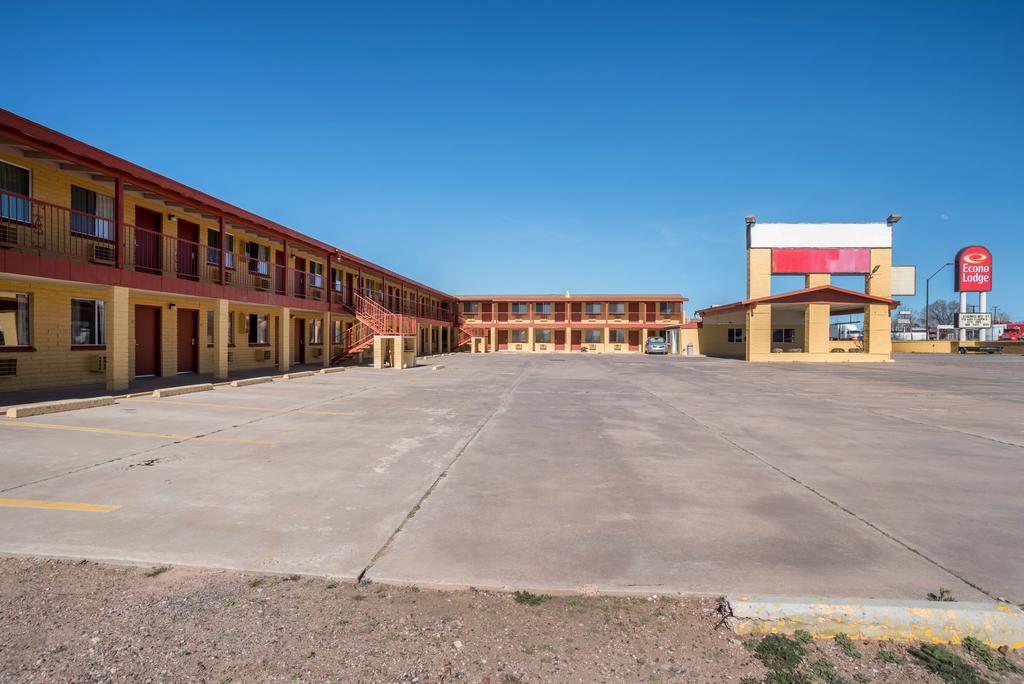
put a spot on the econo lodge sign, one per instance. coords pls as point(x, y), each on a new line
point(973, 270)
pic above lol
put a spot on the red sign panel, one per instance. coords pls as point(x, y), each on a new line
point(973, 270)
point(839, 261)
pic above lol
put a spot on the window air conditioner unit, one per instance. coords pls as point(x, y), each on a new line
point(102, 254)
point(263, 283)
point(97, 363)
point(8, 234)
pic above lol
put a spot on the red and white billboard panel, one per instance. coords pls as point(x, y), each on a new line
point(973, 270)
point(835, 261)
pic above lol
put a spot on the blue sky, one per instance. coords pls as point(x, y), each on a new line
point(500, 146)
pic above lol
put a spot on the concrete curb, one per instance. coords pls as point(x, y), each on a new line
point(325, 371)
point(439, 366)
point(44, 407)
point(184, 389)
point(996, 624)
point(300, 374)
point(251, 381)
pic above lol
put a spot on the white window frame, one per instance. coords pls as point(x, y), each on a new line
point(23, 213)
point(589, 332)
point(735, 335)
point(20, 325)
point(513, 334)
point(98, 323)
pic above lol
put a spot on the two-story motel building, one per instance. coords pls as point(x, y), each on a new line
point(111, 272)
point(575, 322)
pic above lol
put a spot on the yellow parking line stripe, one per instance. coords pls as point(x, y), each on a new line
point(132, 433)
point(58, 505)
point(260, 409)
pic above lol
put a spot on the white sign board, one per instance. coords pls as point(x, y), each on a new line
point(973, 321)
point(904, 281)
point(819, 235)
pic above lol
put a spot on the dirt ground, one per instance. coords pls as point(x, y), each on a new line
point(82, 621)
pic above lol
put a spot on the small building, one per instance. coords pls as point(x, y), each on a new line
point(797, 325)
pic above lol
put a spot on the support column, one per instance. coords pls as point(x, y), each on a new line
point(983, 308)
point(531, 338)
point(494, 339)
point(221, 320)
point(284, 339)
point(325, 338)
point(963, 309)
point(816, 331)
point(605, 339)
point(817, 279)
point(759, 273)
point(877, 329)
point(568, 338)
point(758, 337)
point(119, 338)
point(168, 341)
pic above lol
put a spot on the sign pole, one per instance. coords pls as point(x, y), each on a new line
point(982, 308)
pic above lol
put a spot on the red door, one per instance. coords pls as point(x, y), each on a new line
point(147, 340)
point(577, 340)
point(148, 225)
point(634, 340)
point(634, 312)
point(280, 273)
point(300, 277)
point(577, 314)
point(188, 250)
point(503, 339)
point(560, 340)
point(300, 340)
point(188, 333)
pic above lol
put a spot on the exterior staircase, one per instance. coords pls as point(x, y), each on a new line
point(467, 331)
point(372, 320)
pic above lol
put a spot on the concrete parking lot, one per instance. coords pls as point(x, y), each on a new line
point(570, 472)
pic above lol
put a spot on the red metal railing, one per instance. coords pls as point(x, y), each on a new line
point(380, 320)
point(36, 227)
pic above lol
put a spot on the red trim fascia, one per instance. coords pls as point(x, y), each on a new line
point(49, 140)
point(796, 294)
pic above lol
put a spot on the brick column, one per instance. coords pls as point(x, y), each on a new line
point(758, 337)
point(221, 321)
point(531, 338)
point(816, 333)
point(168, 341)
point(325, 337)
point(284, 338)
point(877, 334)
point(119, 338)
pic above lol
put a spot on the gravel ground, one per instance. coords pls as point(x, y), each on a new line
point(79, 621)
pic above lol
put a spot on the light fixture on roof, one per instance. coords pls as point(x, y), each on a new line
point(751, 220)
point(893, 218)
point(172, 218)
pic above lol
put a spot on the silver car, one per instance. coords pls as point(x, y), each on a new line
point(656, 345)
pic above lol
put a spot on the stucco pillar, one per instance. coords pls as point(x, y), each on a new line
point(221, 321)
point(817, 279)
point(494, 339)
point(816, 328)
point(284, 338)
point(530, 338)
point(119, 338)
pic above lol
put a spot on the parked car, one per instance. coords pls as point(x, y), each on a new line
point(656, 345)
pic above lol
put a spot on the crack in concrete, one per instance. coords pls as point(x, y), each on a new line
point(459, 450)
point(860, 518)
point(147, 450)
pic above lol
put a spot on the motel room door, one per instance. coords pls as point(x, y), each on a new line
point(147, 340)
point(188, 250)
point(188, 334)
point(299, 344)
point(147, 240)
point(577, 339)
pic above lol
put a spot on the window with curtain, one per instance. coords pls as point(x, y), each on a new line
point(15, 189)
point(592, 336)
point(616, 308)
point(735, 335)
point(542, 335)
point(542, 308)
point(316, 274)
point(617, 336)
point(259, 258)
point(92, 214)
point(519, 308)
point(258, 326)
point(88, 321)
point(519, 336)
point(15, 321)
point(316, 331)
point(593, 308)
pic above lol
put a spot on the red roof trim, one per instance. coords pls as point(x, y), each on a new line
point(35, 134)
point(823, 289)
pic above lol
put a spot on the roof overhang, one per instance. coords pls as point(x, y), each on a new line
point(849, 300)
